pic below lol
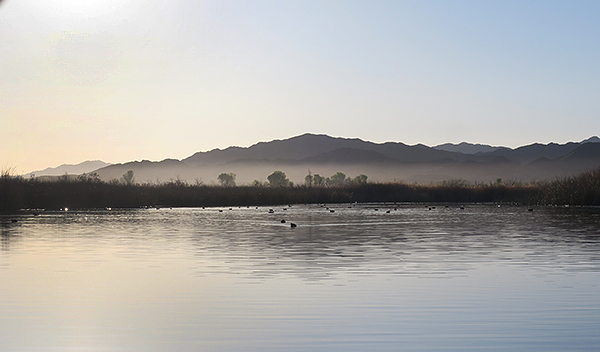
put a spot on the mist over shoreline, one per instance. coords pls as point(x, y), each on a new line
point(381, 162)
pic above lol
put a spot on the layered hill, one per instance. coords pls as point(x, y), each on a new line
point(390, 161)
point(467, 148)
point(69, 169)
point(308, 146)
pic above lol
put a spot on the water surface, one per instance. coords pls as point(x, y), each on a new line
point(360, 278)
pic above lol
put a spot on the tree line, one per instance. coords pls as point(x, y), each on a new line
point(279, 179)
point(88, 191)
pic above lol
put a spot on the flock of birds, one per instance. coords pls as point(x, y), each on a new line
point(293, 225)
point(272, 211)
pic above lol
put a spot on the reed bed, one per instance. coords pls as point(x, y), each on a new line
point(85, 193)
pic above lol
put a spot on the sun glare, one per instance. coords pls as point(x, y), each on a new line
point(86, 9)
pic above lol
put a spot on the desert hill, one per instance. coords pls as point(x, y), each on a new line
point(312, 145)
point(390, 161)
point(467, 148)
point(70, 169)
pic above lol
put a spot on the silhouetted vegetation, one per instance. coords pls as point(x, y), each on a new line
point(318, 180)
point(338, 179)
point(309, 179)
point(87, 191)
point(128, 177)
point(226, 179)
point(278, 179)
point(583, 189)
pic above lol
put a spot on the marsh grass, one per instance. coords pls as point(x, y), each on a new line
point(87, 192)
point(583, 189)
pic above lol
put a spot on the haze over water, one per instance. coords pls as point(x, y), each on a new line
point(445, 278)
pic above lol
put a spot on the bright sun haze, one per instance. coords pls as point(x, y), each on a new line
point(130, 80)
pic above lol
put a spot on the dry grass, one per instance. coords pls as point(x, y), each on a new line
point(88, 192)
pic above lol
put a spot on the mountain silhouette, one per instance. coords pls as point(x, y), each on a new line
point(588, 153)
point(467, 148)
point(390, 161)
point(147, 171)
point(350, 155)
point(71, 169)
point(593, 139)
point(309, 145)
point(535, 151)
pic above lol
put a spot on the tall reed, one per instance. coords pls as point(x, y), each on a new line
point(88, 192)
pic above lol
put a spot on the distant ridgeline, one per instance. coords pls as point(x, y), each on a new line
point(68, 169)
point(382, 162)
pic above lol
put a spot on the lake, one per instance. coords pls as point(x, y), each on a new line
point(349, 277)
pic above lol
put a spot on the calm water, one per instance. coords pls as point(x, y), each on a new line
point(481, 278)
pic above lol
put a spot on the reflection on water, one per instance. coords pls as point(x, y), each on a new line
point(363, 277)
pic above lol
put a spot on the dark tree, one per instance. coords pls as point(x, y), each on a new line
point(338, 179)
point(227, 179)
point(128, 177)
point(278, 179)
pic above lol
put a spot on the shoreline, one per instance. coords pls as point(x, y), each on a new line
point(19, 193)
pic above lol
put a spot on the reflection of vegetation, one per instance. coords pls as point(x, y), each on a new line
point(87, 191)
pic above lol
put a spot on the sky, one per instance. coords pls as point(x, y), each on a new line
point(124, 80)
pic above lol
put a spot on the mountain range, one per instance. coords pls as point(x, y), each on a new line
point(69, 169)
point(390, 161)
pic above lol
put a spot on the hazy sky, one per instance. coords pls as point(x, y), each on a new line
point(123, 80)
